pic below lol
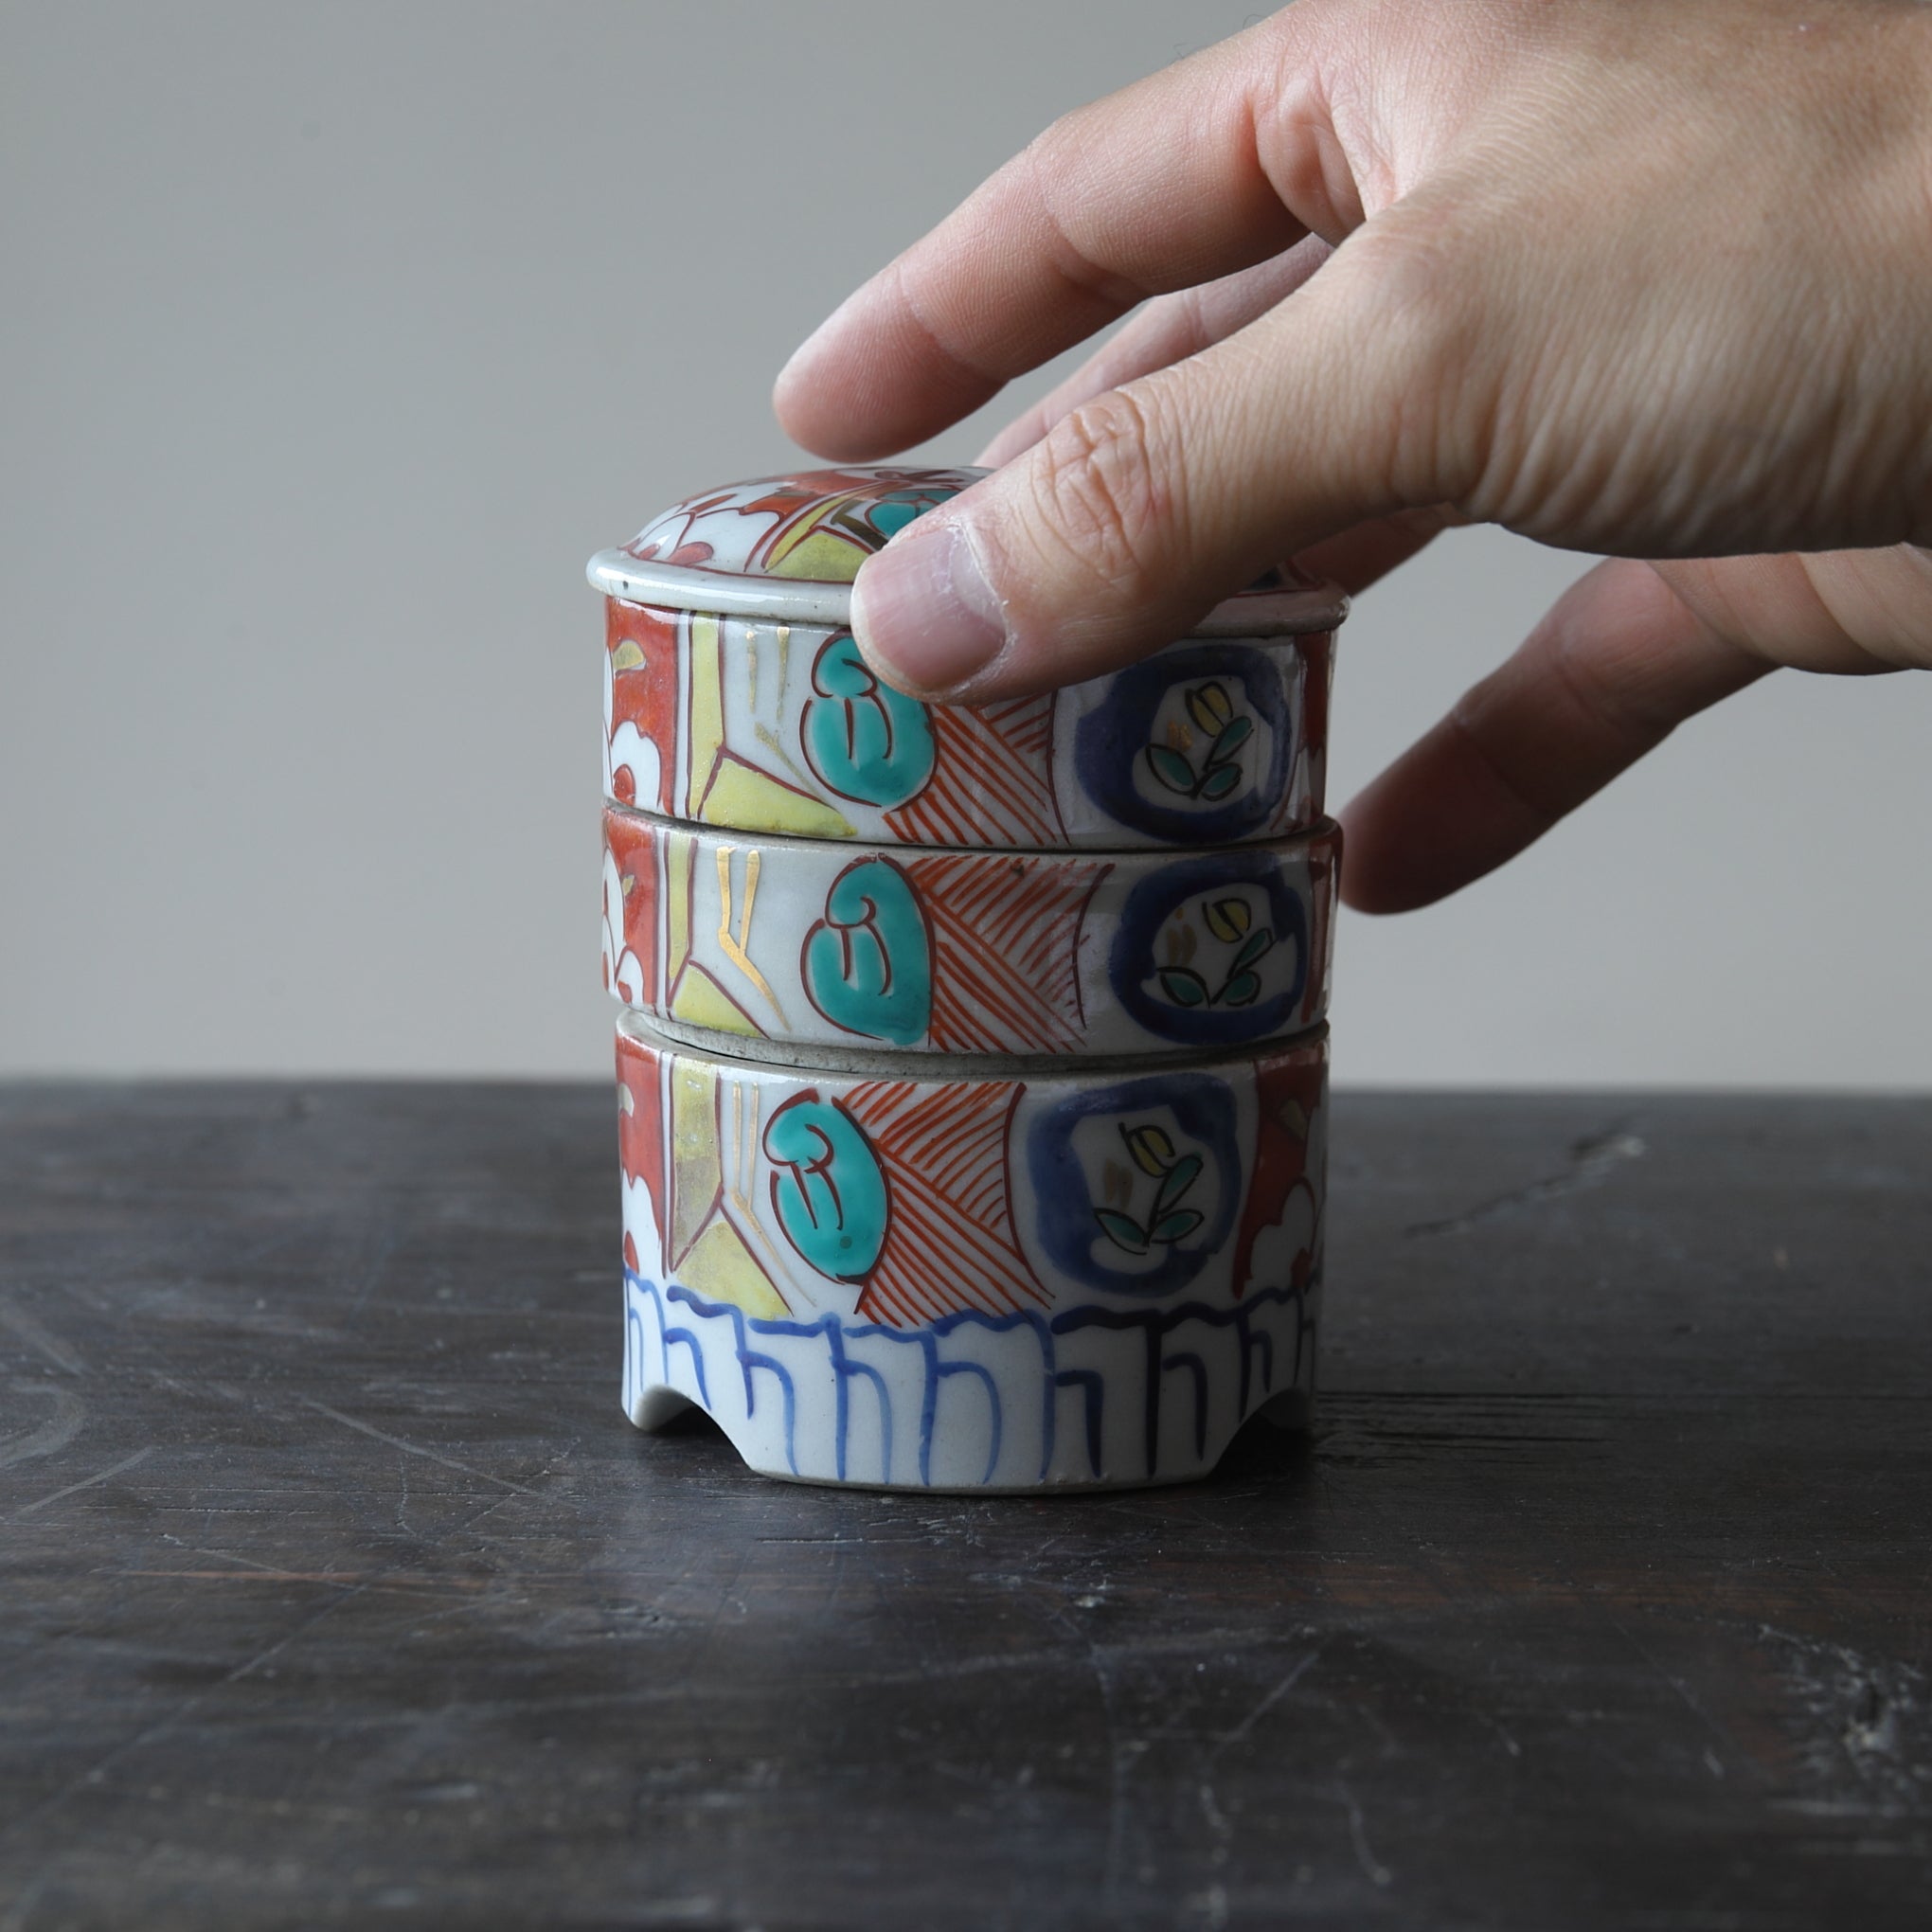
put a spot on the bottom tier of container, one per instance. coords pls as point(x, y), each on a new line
point(972, 1279)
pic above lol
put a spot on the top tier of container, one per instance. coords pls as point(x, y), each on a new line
point(735, 695)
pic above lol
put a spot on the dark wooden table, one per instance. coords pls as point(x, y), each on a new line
point(336, 1589)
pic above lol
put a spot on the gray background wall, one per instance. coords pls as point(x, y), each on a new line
point(333, 340)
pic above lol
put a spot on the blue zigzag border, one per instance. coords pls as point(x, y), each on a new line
point(1155, 1325)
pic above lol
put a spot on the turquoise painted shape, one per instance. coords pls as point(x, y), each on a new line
point(867, 740)
point(869, 962)
point(891, 514)
point(828, 1188)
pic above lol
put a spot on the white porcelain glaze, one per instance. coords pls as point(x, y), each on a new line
point(753, 939)
point(787, 547)
point(741, 723)
point(896, 1277)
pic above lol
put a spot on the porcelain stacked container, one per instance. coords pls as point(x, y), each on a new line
point(972, 1066)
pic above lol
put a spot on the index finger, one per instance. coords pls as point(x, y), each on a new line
point(1171, 182)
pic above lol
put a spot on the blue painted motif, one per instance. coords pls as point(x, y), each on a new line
point(690, 1341)
point(864, 740)
point(1093, 1390)
point(868, 963)
point(1154, 1326)
point(633, 1347)
point(1225, 789)
point(1100, 1241)
point(749, 1359)
point(828, 1188)
point(843, 1371)
point(1213, 1002)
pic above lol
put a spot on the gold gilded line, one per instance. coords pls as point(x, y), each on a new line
point(734, 948)
point(759, 729)
point(753, 859)
point(775, 745)
point(751, 1229)
point(772, 742)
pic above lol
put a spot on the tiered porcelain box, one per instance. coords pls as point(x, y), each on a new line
point(972, 1067)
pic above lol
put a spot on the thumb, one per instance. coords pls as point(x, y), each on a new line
point(1145, 505)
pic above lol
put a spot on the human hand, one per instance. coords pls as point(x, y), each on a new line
point(1641, 279)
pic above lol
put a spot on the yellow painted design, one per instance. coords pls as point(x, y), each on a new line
point(813, 548)
point(734, 947)
point(781, 758)
point(705, 704)
point(700, 1001)
point(627, 657)
point(818, 555)
point(749, 801)
point(1153, 1152)
point(745, 1139)
point(680, 856)
point(696, 1172)
point(1210, 707)
point(722, 1268)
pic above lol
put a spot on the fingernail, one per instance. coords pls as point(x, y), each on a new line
point(923, 613)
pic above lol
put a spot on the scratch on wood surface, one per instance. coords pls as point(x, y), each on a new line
point(31, 1895)
point(88, 1482)
point(232, 1556)
point(348, 1590)
point(1122, 1753)
point(1592, 1160)
point(1209, 1907)
point(1238, 1734)
point(38, 1336)
point(97, 1772)
point(335, 1415)
point(378, 1579)
point(1685, 1694)
point(70, 1413)
point(1210, 1810)
point(1377, 1874)
point(373, 1270)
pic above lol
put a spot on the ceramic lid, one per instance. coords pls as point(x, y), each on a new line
point(788, 548)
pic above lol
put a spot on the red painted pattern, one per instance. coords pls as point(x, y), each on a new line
point(1006, 942)
point(992, 781)
point(950, 1243)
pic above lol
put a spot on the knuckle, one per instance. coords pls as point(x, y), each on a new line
point(1100, 492)
point(1419, 309)
point(1590, 684)
point(1613, 686)
point(1062, 144)
point(1063, 166)
point(1415, 258)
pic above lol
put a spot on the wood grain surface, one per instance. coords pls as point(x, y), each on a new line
point(337, 1590)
